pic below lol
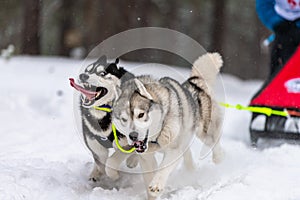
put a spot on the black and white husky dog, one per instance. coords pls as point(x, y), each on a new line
point(99, 85)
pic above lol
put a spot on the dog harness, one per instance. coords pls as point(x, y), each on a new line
point(115, 134)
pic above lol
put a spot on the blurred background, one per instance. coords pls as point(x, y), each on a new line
point(72, 28)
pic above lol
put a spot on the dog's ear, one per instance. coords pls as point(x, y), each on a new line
point(117, 61)
point(102, 60)
point(142, 89)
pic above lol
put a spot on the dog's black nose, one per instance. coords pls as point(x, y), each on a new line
point(83, 77)
point(133, 136)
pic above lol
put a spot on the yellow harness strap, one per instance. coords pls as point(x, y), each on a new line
point(114, 130)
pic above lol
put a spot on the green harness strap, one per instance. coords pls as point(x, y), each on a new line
point(117, 141)
point(114, 130)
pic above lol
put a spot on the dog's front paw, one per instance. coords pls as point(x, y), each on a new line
point(155, 188)
point(94, 179)
point(95, 176)
point(132, 161)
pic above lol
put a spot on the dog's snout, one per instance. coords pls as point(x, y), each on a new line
point(83, 77)
point(133, 136)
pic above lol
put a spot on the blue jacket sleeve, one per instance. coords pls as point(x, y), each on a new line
point(298, 23)
point(267, 14)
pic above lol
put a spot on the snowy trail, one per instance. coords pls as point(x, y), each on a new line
point(43, 157)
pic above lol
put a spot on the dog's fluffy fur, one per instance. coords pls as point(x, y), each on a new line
point(102, 79)
point(163, 115)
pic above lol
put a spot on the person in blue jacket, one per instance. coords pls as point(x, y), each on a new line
point(283, 18)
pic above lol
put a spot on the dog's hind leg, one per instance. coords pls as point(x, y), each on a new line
point(218, 153)
point(211, 137)
point(216, 132)
point(188, 160)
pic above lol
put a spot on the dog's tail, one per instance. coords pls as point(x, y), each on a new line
point(206, 67)
point(201, 83)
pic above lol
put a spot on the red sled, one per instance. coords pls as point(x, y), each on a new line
point(281, 93)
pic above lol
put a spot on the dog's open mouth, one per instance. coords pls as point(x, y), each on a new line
point(141, 146)
point(90, 93)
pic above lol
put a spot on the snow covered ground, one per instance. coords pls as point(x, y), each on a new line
point(42, 155)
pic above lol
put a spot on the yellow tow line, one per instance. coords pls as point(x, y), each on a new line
point(263, 110)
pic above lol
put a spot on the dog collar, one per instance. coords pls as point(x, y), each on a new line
point(107, 108)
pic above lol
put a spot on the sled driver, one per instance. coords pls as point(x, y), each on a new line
point(283, 18)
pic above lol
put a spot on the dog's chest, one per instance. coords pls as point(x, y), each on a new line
point(96, 147)
point(96, 122)
point(97, 132)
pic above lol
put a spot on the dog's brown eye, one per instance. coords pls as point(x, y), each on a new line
point(141, 115)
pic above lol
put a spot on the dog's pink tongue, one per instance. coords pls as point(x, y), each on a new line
point(89, 94)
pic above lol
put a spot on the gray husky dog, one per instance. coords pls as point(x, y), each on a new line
point(164, 115)
point(99, 85)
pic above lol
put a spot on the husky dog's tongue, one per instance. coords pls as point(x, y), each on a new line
point(89, 94)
